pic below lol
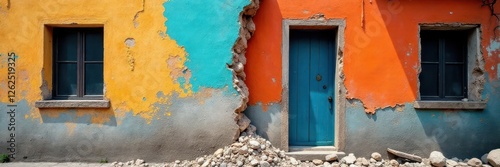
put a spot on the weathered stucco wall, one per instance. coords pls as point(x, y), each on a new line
point(166, 76)
point(381, 66)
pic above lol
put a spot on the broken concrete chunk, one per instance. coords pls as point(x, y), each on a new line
point(437, 159)
point(405, 155)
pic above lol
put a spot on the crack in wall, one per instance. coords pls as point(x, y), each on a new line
point(136, 24)
point(247, 28)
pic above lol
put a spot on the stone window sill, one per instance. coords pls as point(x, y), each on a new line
point(72, 104)
point(456, 105)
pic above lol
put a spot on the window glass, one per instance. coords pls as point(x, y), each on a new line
point(66, 82)
point(94, 45)
point(93, 79)
point(67, 42)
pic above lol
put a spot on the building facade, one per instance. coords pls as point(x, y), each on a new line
point(166, 80)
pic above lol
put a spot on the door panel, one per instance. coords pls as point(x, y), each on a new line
point(312, 72)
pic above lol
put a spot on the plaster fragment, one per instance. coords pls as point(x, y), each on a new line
point(130, 42)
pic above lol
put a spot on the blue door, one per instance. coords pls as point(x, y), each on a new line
point(311, 91)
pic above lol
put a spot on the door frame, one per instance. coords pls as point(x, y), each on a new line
point(340, 100)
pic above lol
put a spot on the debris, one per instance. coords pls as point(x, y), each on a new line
point(405, 155)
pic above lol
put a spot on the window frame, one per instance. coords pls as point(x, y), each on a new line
point(442, 36)
point(475, 70)
point(80, 60)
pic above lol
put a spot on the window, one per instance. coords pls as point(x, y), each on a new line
point(78, 63)
point(444, 65)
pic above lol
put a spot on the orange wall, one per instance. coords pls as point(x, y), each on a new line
point(381, 53)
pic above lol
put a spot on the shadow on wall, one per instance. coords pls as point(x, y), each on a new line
point(465, 133)
point(81, 116)
point(268, 122)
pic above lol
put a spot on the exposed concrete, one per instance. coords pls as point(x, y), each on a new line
point(464, 105)
point(187, 128)
point(268, 122)
point(457, 133)
point(318, 22)
point(72, 104)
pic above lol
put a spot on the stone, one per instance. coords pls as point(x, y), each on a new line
point(365, 162)
point(437, 159)
point(177, 161)
point(243, 150)
point(223, 164)
point(293, 161)
point(484, 159)
point(474, 162)
point(372, 160)
point(352, 165)
point(239, 163)
point(462, 164)
point(349, 159)
point(254, 162)
point(331, 157)
point(426, 162)
point(254, 144)
point(206, 163)
point(494, 157)
point(139, 162)
point(264, 164)
point(376, 156)
point(217, 153)
point(394, 163)
point(451, 163)
point(200, 160)
point(317, 162)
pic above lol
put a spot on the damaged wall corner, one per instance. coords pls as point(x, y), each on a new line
point(247, 29)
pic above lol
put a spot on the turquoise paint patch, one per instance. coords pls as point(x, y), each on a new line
point(494, 46)
point(208, 31)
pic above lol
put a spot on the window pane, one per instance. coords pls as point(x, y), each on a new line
point(429, 84)
point(454, 49)
point(93, 79)
point(94, 45)
point(66, 79)
point(454, 80)
point(67, 42)
point(430, 46)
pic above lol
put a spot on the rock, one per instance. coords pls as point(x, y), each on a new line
point(426, 161)
point(484, 159)
point(244, 122)
point(254, 144)
point(239, 163)
point(206, 163)
point(376, 156)
point(352, 165)
point(317, 162)
point(451, 163)
point(331, 157)
point(243, 150)
point(349, 159)
point(462, 164)
point(217, 153)
point(365, 162)
point(200, 160)
point(394, 163)
point(223, 164)
point(494, 157)
point(372, 160)
point(474, 162)
point(139, 162)
point(437, 159)
point(264, 164)
point(293, 161)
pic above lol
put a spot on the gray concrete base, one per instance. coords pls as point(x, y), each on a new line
point(310, 155)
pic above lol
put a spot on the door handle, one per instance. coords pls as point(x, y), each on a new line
point(330, 99)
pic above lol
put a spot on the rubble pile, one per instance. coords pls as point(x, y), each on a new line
point(253, 150)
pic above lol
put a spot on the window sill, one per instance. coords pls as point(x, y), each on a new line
point(457, 105)
point(72, 104)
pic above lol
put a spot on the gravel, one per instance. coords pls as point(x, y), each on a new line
point(252, 150)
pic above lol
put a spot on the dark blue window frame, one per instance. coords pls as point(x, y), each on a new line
point(78, 63)
point(443, 64)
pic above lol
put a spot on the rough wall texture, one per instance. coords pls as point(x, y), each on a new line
point(381, 66)
point(166, 76)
